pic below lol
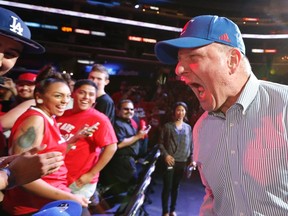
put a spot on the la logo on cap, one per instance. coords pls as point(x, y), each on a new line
point(16, 26)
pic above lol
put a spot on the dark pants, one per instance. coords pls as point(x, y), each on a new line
point(119, 175)
point(171, 182)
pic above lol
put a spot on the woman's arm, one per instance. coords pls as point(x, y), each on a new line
point(28, 134)
point(43, 189)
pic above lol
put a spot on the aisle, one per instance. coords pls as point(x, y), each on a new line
point(190, 197)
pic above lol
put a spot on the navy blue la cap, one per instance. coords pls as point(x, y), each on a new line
point(12, 26)
point(60, 208)
point(200, 31)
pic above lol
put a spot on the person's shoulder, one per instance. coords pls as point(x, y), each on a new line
point(31, 116)
point(119, 121)
point(108, 98)
point(168, 124)
point(94, 113)
point(201, 120)
point(187, 125)
point(272, 85)
point(273, 89)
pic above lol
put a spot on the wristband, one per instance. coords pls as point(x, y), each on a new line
point(11, 182)
point(7, 171)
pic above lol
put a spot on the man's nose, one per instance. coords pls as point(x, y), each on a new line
point(179, 69)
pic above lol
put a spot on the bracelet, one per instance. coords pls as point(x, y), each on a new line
point(7, 171)
point(11, 182)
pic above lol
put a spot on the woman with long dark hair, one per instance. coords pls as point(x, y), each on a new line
point(175, 143)
point(36, 127)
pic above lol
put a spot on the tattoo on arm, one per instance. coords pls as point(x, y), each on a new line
point(27, 139)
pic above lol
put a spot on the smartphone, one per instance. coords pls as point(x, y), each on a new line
point(2, 80)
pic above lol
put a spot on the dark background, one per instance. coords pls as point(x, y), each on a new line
point(135, 61)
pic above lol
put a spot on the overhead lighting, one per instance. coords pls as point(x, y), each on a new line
point(91, 16)
point(264, 50)
point(142, 39)
point(123, 21)
point(33, 24)
point(66, 29)
point(261, 36)
point(97, 33)
point(249, 19)
point(82, 31)
point(82, 61)
point(257, 51)
point(270, 51)
point(52, 27)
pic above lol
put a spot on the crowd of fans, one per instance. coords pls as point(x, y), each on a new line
point(150, 108)
point(66, 127)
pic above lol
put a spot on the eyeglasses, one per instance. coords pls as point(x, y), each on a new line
point(127, 109)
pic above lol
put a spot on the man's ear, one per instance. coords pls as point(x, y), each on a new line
point(107, 81)
point(234, 59)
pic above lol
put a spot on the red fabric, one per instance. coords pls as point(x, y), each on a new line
point(2, 142)
point(80, 160)
point(18, 201)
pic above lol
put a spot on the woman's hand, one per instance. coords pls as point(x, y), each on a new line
point(80, 199)
point(170, 161)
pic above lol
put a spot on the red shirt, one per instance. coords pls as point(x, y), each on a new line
point(18, 201)
point(80, 160)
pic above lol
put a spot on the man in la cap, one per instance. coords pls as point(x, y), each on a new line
point(15, 38)
point(240, 142)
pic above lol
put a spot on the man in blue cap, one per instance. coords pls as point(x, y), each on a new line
point(240, 142)
point(15, 38)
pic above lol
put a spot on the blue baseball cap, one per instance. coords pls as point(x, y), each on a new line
point(60, 208)
point(200, 31)
point(12, 26)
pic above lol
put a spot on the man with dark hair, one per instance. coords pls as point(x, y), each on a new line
point(123, 165)
point(15, 38)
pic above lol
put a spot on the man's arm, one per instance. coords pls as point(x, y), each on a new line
point(8, 119)
point(207, 205)
point(105, 156)
point(28, 166)
point(131, 140)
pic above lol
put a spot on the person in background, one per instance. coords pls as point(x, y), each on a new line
point(71, 83)
point(104, 103)
point(121, 94)
point(35, 127)
point(89, 154)
point(175, 144)
point(240, 141)
point(15, 38)
point(8, 94)
point(121, 170)
point(25, 85)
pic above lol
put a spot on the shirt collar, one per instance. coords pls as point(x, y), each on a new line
point(249, 92)
point(246, 97)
